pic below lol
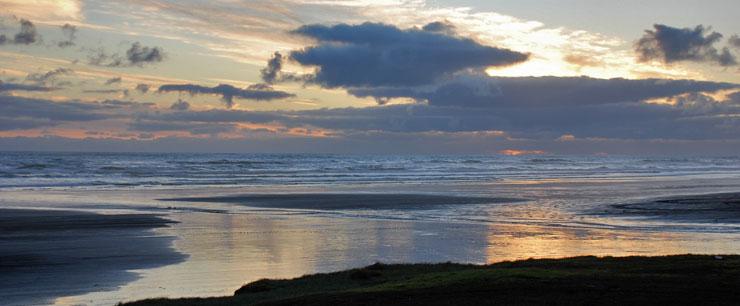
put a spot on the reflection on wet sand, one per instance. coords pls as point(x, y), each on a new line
point(227, 250)
point(522, 242)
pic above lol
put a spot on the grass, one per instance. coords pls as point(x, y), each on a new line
point(680, 279)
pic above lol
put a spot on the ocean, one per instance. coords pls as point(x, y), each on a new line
point(30, 170)
point(551, 206)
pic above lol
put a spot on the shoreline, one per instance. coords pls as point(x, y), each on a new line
point(677, 279)
point(48, 254)
point(337, 201)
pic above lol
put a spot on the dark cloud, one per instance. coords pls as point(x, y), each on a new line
point(441, 27)
point(136, 56)
point(139, 55)
point(180, 105)
point(258, 92)
point(373, 54)
point(196, 128)
point(23, 87)
point(219, 115)
point(47, 77)
point(535, 108)
point(18, 113)
point(24, 113)
point(734, 41)
point(274, 65)
point(116, 80)
point(70, 33)
point(143, 88)
point(26, 35)
point(103, 91)
point(273, 73)
point(127, 105)
point(669, 45)
point(99, 57)
point(480, 90)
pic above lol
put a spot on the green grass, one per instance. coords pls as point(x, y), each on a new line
point(682, 279)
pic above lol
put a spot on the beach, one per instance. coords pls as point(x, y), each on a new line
point(46, 254)
point(180, 225)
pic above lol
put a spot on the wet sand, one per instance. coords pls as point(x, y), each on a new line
point(45, 255)
point(333, 201)
point(722, 207)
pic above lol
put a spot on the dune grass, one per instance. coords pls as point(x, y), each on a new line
point(681, 279)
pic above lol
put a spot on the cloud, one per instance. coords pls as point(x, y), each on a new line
point(23, 87)
point(126, 105)
point(47, 77)
point(44, 11)
point(441, 27)
point(103, 91)
point(734, 41)
point(139, 55)
point(482, 91)
point(369, 143)
point(195, 128)
point(143, 88)
point(26, 35)
point(180, 105)
point(274, 65)
point(582, 60)
point(24, 113)
point(374, 54)
point(70, 33)
point(136, 56)
point(273, 73)
point(116, 80)
point(692, 116)
point(516, 152)
point(257, 92)
point(668, 45)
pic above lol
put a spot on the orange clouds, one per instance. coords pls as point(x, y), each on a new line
point(514, 152)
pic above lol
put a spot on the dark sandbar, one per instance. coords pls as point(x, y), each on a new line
point(723, 207)
point(49, 254)
point(331, 201)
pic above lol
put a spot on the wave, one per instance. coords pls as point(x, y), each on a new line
point(113, 168)
point(33, 166)
point(549, 160)
point(375, 168)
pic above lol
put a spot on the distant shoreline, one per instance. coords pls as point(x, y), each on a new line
point(664, 280)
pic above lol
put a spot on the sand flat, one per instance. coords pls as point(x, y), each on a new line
point(48, 254)
point(719, 207)
point(332, 201)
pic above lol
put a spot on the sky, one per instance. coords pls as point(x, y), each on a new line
point(371, 77)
